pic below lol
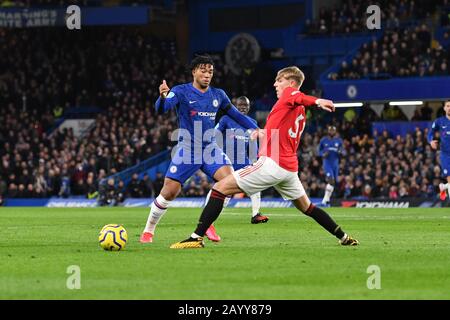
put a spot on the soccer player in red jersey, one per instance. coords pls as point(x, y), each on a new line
point(277, 165)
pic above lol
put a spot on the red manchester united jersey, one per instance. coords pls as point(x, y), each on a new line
point(284, 128)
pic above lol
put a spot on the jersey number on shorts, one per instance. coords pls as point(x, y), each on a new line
point(295, 133)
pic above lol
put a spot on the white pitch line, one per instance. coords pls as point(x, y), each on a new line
point(358, 217)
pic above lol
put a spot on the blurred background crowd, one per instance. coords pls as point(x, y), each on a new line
point(44, 72)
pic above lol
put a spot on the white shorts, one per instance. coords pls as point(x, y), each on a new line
point(266, 173)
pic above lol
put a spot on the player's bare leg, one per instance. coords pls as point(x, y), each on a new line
point(225, 187)
point(169, 192)
point(321, 217)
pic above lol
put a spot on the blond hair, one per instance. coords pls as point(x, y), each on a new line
point(291, 73)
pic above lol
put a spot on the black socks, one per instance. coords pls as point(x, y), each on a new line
point(211, 212)
point(325, 221)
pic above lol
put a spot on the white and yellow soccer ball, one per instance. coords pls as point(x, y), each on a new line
point(113, 237)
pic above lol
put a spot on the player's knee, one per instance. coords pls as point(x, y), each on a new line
point(220, 186)
point(170, 191)
point(303, 205)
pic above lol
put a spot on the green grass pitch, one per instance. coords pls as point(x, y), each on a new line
point(290, 257)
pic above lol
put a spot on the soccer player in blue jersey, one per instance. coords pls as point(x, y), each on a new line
point(442, 125)
point(197, 104)
point(330, 149)
point(241, 150)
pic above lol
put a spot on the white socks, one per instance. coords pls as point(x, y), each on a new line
point(158, 208)
point(328, 191)
point(256, 203)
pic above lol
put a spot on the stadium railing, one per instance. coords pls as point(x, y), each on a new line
point(141, 167)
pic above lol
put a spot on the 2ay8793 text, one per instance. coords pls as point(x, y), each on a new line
point(242, 309)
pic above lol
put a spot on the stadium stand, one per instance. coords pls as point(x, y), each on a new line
point(405, 53)
point(37, 161)
point(374, 164)
point(347, 17)
point(414, 43)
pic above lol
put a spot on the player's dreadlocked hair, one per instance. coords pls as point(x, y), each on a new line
point(199, 60)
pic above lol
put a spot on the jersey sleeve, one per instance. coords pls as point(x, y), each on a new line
point(434, 128)
point(162, 105)
point(294, 98)
point(224, 100)
point(222, 125)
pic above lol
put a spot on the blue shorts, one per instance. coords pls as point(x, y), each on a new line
point(331, 170)
point(445, 164)
point(184, 163)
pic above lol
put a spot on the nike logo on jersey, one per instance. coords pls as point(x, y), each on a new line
point(191, 102)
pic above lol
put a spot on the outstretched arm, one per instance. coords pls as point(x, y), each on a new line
point(306, 100)
point(296, 98)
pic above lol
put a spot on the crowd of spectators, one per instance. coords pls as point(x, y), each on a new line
point(42, 72)
point(375, 165)
point(350, 16)
point(46, 71)
point(404, 53)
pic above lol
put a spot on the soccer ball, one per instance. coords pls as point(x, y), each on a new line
point(113, 237)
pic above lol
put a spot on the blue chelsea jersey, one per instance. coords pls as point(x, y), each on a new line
point(333, 146)
point(441, 125)
point(196, 111)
